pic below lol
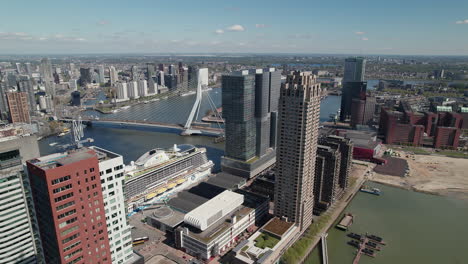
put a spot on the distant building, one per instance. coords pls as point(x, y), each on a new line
point(72, 221)
point(3, 101)
point(28, 68)
point(25, 84)
point(250, 105)
point(102, 77)
point(351, 90)
point(18, 107)
point(19, 236)
point(299, 108)
point(122, 91)
point(132, 90)
point(150, 71)
point(113, 76)
point(204, 76)
point(170, 81)
point(85, 76)
point(76, 98)
point(134, 73)
point(161, 78)
point(142, 88)
point(362, 111)
point(354, 69)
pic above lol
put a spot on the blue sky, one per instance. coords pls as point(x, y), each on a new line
point(193, 26)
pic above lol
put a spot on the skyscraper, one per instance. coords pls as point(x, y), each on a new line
point(19, 231)
point(102, 78)
point(250, 101)
point(67, 192)
point(122, 91)
point(142, 88)
point(114, 77)
point(299, 108)
point(132, 90)
point(354, 69)
point(3, 101)
point(46, 70)
point(85, 76)
point(28, 68)
point(353, 84)
point(25, 85)
point(18, 107)
point(134, 73)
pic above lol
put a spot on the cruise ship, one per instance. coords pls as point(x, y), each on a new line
point(159, 173)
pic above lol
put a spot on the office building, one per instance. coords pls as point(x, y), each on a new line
point(132, 90)
point(351, 90)
point(182, 78)
point(170, 80)
point(250, 103)
point(122, 91)
point(46, 70)
point(299, 108)
point(19, 237)
point(150, 70)
point(111, 169)
point(172, 70)
point(354, 86)
point(142, 88)
point(204, 77)
point(28, 68)
point(18, 107)
point(113, 75)
point(86, 76)
point(192, 72)
point(3, 101)
point(362, 111)
point(25, 85)
point(67, 192)
point(354, 69)
point(76, 98)
point(161, 78)
point(73, 83)
point(152, 86)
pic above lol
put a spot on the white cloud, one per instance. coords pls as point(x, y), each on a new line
point(236, 28)
point(364, 38)
point(360, 32)
point(260, 25)
point(103, 22)
point(462, 22)
point(219, 31)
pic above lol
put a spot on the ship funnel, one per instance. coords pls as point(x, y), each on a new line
point(175, 148)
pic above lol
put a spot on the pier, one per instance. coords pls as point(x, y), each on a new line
point(323, 238)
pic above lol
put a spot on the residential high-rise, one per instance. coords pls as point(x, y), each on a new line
point(345, 147)
point(122, 91)
point(25, 84)
point(150, 70)
point(111, 169)
point(132, 90)
point(46, 70)
point(19, 237)
point(327, 170)
point(250, 101)
point(351, 90)
point(299, 109)
point(134, 73)
point(142, 88)
point(3, 101)
point(67, 192)
point(113, 75)
point(28, 68)
point(354, 69)
point(102, 78)
point(18, 107)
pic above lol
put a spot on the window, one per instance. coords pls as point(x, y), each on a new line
point(118, 167)
point(109, 178)
point(65, 205)
point(60, 216)
point(69, 221)
point(108, 171)
point(68, 231)
point(72, 246)
point(68, 239)
point(62, 179)
point(63, 188)
point(93, 178)
point(63, 197)
point(91, 170)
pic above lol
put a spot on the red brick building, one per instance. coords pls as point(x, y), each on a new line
point(18, 107)
point(441, 129)
point(67, 194)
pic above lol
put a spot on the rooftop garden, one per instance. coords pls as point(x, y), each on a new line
point(266, 241)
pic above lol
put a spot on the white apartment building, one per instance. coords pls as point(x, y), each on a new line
point(111, 169)
point(132, 90)
point(122, 91)
point(142, 88)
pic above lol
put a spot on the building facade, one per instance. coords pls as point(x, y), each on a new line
point(299, 108)
point(19, 239)
point(69, 204)
point(18, 107)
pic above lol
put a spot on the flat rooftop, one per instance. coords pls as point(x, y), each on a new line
point(62, 159)
point(104, 154)
point(277, 227)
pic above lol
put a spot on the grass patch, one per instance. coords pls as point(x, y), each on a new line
point(453, 154)
point(266, 241)
point(245, 248)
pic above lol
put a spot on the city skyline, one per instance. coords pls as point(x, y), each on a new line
point(364, 27)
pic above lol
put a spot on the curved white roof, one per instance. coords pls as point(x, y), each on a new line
point(211, 211)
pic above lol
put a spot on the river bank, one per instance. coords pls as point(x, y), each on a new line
point(418, 228)
point(431, 174)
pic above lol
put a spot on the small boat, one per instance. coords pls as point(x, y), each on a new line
point(53, 144)
point(369, 252)
point(374, 191)
point(345, 222)
point(376, 239)
point(354, 243)
point(373, 245)
point(355, 236)
point(63, 134)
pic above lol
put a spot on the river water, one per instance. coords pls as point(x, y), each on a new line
point(417, 227)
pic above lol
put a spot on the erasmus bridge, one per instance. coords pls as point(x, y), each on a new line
point(175, 112)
